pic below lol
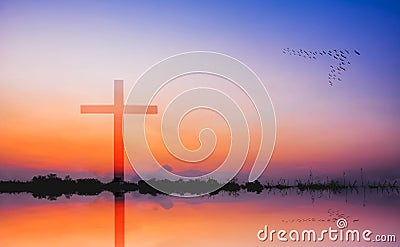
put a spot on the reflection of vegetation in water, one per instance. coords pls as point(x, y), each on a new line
point(182, 187)
point(51, 187)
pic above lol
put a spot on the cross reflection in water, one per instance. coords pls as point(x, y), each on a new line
point(119, 219)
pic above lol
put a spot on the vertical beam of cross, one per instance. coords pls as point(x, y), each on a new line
point(118, 110)
point(118, 141)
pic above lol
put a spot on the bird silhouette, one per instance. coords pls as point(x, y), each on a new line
point(341, 60)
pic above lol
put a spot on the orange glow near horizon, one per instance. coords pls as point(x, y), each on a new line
point(60, 138)
point(46, 131)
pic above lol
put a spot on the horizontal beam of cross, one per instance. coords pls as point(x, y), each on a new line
point(111, 109)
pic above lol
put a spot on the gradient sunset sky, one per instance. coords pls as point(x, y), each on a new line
point(57, 55)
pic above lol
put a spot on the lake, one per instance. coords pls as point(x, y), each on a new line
point(220, 220)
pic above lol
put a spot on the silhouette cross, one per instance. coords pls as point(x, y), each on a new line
point(118, 109)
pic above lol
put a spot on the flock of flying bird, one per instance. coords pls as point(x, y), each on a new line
point(341, 57)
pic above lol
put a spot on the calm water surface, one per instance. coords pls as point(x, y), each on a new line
point(221, 220)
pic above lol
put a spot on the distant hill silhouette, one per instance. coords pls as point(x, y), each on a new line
point(51, 187)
